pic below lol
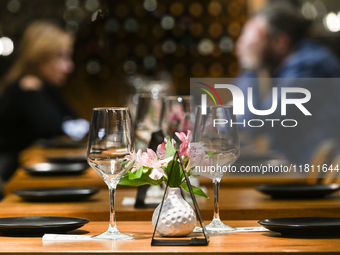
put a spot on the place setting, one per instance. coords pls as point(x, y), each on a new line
point(56, 168)
point(56, 194)
point(304, 227)
point(31, 226)
point(298, 190)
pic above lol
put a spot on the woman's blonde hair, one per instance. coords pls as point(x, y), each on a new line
point(41, 41)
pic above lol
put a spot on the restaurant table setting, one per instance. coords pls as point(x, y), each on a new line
point(64, 212)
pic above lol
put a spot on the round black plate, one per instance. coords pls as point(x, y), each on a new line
point(298, 190)
point(56, 168)
point(39, 225)
point(56, 194)
point(304, 226)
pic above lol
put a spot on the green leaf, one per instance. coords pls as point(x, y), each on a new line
point(137, 174)
point(144, 179)
point(170, 149)
point(211, 153)
point(196, 190)
point(175, 178)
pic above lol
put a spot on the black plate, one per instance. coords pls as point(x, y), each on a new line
point(56, 168)
point(39, 225)
point(304, 226)
point(56, 194)
point(298, 190)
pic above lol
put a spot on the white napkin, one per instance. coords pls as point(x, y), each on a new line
point(244, 229)
point(132, 200)
point(59, 237)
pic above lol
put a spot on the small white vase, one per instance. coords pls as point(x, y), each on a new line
point(177, 217)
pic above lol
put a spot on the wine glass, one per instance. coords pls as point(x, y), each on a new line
point(175, 115)
point(110, 140)
point(223, 141)
point(147, 119)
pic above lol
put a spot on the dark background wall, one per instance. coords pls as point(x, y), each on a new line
point(163, 40)
point(141, 40)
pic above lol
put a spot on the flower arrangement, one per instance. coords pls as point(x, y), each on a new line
point(154, 168)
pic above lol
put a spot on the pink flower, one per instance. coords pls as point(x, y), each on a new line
point(184, 137)
point(149, 159)
point(135, 157)
point(199, 160)
point(161, 149)
point(184, 148)
point(198, 157)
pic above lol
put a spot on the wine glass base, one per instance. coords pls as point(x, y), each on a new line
point(218, 226)
point(116, 235)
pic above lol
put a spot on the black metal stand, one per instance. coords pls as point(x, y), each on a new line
point(178, 242)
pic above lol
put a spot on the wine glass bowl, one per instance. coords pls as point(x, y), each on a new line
point(175, 115)
point(110, 141)
point(221, 142)
point(147, 119)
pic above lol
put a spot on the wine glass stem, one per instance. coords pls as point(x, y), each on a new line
point(112, 225)
point(216, 186)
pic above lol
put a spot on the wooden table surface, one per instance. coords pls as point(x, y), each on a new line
point(34, 154)
point(232, 243)
point(239, 202)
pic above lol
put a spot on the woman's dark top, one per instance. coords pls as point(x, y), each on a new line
point(28, 115)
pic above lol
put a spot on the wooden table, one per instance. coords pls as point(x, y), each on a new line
point(239, 202)
point(233, 243)
point(34, 154)
point(89, 177)
point(235, 204)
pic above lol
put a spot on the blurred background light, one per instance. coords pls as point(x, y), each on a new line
point(7, 46)
point(177, 8)
point(214, 8)
point(111, 25)
point(309, 11)
point(131, 25)
point(130, 67)
point(92, 5)
point(205, 47)
point(226, 44)
point(150, 62)
point(320, 8)
point(332, 22)
point(13, 6)
point(196, 9)
point(74, 14)
point(169, 47)
point(93, 67)
point(168, 22)
point(138, 83)
point(150, 5)
point(72, 3)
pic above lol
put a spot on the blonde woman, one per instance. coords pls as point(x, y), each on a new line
point(31, 105)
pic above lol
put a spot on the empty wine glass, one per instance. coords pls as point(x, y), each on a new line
point(147, 119)
point(222, 141)
point(175, 115)
point(110, 140)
